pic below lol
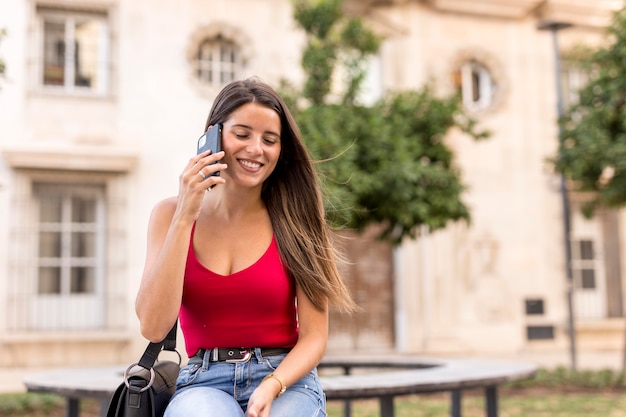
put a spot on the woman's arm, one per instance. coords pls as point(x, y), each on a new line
point(169, 233)
point(160, 292)
point(311, 345)
point(306, 355)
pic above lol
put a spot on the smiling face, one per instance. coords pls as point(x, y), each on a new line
point(251, 143)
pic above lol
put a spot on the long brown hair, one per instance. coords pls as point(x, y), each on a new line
point(293, 199)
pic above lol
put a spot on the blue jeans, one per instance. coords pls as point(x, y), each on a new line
point(221, 389)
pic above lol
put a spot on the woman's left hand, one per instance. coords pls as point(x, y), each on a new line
point(261, 400)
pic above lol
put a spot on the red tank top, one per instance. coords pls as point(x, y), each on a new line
point(255, 307)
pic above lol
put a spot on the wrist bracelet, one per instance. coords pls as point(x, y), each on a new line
point(283, 387)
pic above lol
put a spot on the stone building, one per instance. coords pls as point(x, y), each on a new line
point(103, 101)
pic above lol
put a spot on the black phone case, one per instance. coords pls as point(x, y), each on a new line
point(212, 140)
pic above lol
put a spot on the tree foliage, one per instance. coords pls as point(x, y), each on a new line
point(592, 155)
point(385, 163)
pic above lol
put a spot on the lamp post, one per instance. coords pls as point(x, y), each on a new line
point(554, 27)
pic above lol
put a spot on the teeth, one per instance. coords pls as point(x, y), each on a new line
point(250, 164)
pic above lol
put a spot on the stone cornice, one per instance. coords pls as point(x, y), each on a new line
point(510, 9)
point(589, 13)
point(72, 158)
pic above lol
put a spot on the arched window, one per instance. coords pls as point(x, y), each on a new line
point(217, 54)
point(476, 85)
point(218, 61)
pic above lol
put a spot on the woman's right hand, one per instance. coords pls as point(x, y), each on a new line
point(196, 179)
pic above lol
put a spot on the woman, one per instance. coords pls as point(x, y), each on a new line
point(245, 260)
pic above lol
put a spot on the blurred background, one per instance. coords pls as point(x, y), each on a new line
point(102, 101)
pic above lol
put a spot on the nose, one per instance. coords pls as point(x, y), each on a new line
point(254, 145)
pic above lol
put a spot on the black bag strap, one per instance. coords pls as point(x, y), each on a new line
point(169, 343)
point(151, 353)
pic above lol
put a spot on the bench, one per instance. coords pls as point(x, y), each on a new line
point(399, 375)
point(76, 384)
point(418, 375)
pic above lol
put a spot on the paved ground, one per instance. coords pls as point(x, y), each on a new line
point(11, 379)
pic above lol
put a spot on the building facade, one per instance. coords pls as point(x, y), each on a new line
point(100, 109)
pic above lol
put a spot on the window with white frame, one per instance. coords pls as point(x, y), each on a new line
point(218, 61)
point(573, 78)
point(476, 85)
point(369, 70)
point(68, 290)
point(68, 256)
point(584, 264)
point(372, 88)
point(75, 50)
point(587, 265)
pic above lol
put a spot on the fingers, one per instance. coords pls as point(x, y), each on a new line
point(206, 158)
point(200, 172)
point(205, 171)
point(210, 183)
point(203, 167)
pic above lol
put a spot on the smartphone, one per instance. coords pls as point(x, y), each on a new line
point(212, 140)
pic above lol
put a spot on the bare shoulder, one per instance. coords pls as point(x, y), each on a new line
point(164, 210)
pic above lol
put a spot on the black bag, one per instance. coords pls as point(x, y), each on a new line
point(147, 390)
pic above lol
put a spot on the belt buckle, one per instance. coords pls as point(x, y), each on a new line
point(247, 354)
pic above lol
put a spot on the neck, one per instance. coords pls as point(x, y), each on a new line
point(230, 204)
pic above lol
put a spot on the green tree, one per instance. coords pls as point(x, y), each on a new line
point(385, 163)
point(592, 155)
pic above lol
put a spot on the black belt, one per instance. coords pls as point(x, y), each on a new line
point(237, 355)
